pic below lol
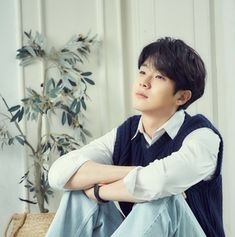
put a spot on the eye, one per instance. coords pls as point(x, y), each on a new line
point(160, 77)
point(142, 72)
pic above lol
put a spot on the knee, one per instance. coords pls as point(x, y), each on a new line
point(77, 197)
point(174, 200)
point(173, 204)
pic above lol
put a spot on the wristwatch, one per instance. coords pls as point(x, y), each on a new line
point(97, 195)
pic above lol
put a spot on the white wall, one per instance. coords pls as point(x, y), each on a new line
point(225, 71)
point(11, 160)
point(124, 26)
point(189, 20)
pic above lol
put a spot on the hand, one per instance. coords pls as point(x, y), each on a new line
point(90, 194)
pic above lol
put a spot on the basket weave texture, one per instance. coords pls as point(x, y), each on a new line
point(29, 225)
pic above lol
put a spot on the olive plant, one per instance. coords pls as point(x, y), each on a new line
point(63, 96)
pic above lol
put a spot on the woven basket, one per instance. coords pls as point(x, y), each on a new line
point(29, 225)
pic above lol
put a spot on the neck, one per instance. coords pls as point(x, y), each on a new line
point(152, 123)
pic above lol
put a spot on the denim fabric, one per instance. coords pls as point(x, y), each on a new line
point(79, 216)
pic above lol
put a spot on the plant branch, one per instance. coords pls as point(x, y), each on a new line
point(65, 92)
point(19, 129)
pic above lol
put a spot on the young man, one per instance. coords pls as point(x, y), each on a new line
point(163, 167)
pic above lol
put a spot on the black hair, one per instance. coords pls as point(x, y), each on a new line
point(180, 63)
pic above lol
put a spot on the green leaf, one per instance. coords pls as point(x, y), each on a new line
point(65, 107)
point(69, 118)
point(53, 82)
point(78, 106)
point(27, 186)
point(28, 181)
point(57, 103)
point(10, 141)
point(31, 51)
point(14, 108)
point(34, 92)
point(45, 147)
point(21, 114)
point(25, 99)
point(20, 140)
point(46, 198)
point(63, 118)
point(75, 69)
point(28, 116)
point(89, 81)
point(86, 74)
point(83, 103)
point(28, 34)
point(65, 63)
point(59, 83)
point(48, 85)
point(25, 175)
point(27, 110)
point(28, 201)
point(72, 83)
point(49, 192)
point(73, 105)
point(15, 116)
point(87, 132)
point(54, 92)
point(83, 138)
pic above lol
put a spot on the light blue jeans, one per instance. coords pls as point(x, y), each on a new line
point(78, 216)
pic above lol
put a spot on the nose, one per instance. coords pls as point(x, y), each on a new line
point(145, 82)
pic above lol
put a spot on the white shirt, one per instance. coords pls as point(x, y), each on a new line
point(195, 161)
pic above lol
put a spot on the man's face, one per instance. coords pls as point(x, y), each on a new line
point(153, 93)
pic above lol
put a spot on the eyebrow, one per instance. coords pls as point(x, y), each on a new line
point(147, 66)
point(144, 65)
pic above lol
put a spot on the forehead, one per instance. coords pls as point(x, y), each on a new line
point(149, 64)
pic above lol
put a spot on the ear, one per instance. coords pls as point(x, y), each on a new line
point(183, 97)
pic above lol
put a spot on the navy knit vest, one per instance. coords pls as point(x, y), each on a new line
point(204, 198)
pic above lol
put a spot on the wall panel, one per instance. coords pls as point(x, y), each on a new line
point(11, 158)
point(123, 28)
point(187, 20)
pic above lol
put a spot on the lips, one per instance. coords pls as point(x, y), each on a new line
point(141, 95)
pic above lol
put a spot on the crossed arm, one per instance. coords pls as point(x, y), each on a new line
point(92, 164)
point(110, 177)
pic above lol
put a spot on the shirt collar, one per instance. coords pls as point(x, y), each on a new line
point(171, 126)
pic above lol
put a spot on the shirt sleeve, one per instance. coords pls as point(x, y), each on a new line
point(195, 161)
point(99, 150)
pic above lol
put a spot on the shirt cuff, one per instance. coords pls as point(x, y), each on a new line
point(62, 170)
point(130, 182)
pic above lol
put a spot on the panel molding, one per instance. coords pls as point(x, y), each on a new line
point(103, 118)
point(21, 76)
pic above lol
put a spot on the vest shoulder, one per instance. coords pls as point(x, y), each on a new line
point(199, 121)
point(131, 121)
point(199, 117)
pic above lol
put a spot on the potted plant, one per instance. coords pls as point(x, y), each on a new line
point(62, 97)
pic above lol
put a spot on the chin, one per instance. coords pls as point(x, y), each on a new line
point(139, 108)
